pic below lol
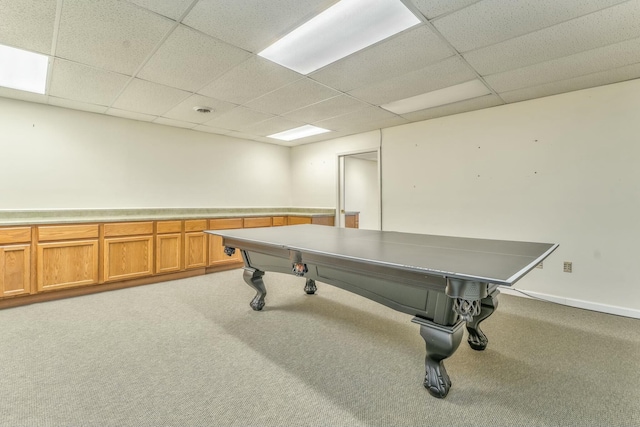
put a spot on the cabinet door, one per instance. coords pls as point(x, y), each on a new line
point(15, 270)
point(195, 250)
point(168, 252)
point(217, 255)
point(127, 258)
point(67, 264)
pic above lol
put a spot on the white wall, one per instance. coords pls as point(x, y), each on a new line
point(362, 191)
point(314, 168)
point(53, 158)
point(562, 169)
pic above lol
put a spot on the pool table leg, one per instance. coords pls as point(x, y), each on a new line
point(310, 287)
point(441, 342)
point(477, 339)
point(253, 278)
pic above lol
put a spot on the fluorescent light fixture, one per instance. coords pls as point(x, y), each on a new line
point(448, 95)
point(346, 27)
point(23, 70)
point(299, 132)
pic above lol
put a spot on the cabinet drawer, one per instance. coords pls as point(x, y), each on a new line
point(169, 227)
point(67, 232)
point(279, 220)
point(195, 225)
point(15, 235)
point(225, 223)
point(295, 220)
point(128, 228)
point(257, 222)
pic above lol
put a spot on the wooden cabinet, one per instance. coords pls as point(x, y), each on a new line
point(168, 246)
point(195, 243)
point(67, 256)
point(77, 259)
point(127, 251)
point(15, 261)
point(217, 257)
point(352, 220)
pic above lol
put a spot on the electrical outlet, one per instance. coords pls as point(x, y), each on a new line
point(568, 267)
point(539, 265)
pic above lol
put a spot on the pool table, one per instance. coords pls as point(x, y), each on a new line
point(445, 282)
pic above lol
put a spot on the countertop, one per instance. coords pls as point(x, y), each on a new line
point(61, 216)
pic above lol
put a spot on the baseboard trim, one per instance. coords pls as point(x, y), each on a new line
point(571, 302)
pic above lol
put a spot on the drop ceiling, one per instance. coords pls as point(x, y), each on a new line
point(155, 60)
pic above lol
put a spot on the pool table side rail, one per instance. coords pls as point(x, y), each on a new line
point(259, 245)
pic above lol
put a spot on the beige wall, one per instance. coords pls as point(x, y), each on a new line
point(54, 158)
point(314, 168)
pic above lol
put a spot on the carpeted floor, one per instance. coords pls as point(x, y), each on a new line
point(192, 352)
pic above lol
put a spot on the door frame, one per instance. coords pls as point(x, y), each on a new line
point(340, 184)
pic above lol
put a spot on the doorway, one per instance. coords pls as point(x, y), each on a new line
point(359, 190)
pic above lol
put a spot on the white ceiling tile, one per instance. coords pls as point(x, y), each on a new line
point(76, 105)
point(492, 21)
point(82, 83)
point(131, 115)
point(210, 129)
point(434, 8)
point(293, 96)
point(406, 52)
point(252, 24)
point(251, 79)
point(455, 108)
point(628, 72)
point(444, 74)
point(271, 126)
point(28, 24)
point(174, 123)
point(579, 64)
point(189, 60)
point(347, 122)
point(109, 34)
point(332, 107)
point(252, 137)
point(170, 8)
point(238, 118)
point(185, 112)
point(150, 98)
point(577, 35)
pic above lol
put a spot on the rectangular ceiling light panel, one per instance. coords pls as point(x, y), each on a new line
point(448, 95)
point(23, 70)
point(346, 27)
point(297, 133)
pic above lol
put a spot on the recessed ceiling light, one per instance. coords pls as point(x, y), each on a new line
point(23, 70)
point(346, 27)
point(299, 132)
point(203, 110)
point(448, 95)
